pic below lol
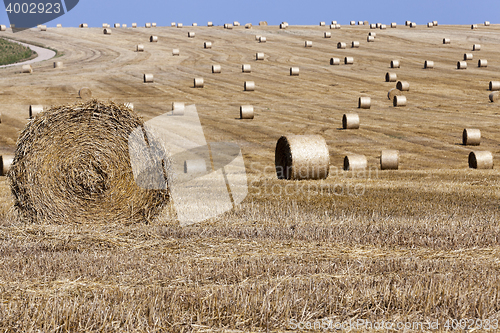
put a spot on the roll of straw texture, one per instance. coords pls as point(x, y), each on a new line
point(147, 25)
point(435, 23)
point(43, 28)
point(494, 96)
point(468, 56)
point(322, 24)
point(308, 43)
point(210, 24)
point(176, 52)
point(26, 69)
point(393, 92)
point(117, 25)
point(462, 65)
point(354, 44)
point(134, 25)
point(259, 56)
point(58, 64)
point(107, 31)
point(374, 34)
point(195, 166)
point(124, 25)
point(105, 25)
point(5, 164)
point(72, 165)
point(246, 68)
point(391, 77)
point(139, 48)
point(262, 39)
point(482, 63)
point(294, 71)
point(191, 34)
point(348, 60)
point(446, 41)
point(476, 47)
point(172, 24)
point(389, 159)
point(471, 137)
point(84, 25)
point(394, 25)
point(249, 86)
point(198, 82)
point(361, 23)
point(59, 25)
point(413, 25)
point(3, 27)
point(153, 39)
point(327, 34)
point(399, 101)
point(216, 68)
point(395, 64)
point(153, 25)
point(383, 27)
point(195, 24)
point(301, 157)
point(257, 37)
point(334, 22)
point(283, 26)
point(430, 25)
point(473, 26)
point(407, 23)
point(246, 112)
point(341, 45)
point(370, 39)
point(236, 23)
point(373, 26)
point(494, 85)
point(179, 25)
point(486, 23)
point(353, 23)
point(334, 61)
point(248, 26)
point(429, 64)
point(34, 110)
point(364, 102)
point(129, 105)
point(355, 162)
point(178, 108)
point(85, 93)
point(403, 85)
point(148, 78)
point(480, 160)
point(350, 121)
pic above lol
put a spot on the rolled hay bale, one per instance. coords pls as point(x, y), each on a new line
point(73, 165)
point(395, 64)
point(248, 26)
point(26, 69)
point(302, 157)
point(337, 26)
point(246, 112)
point(482, 63)
point(476, 47)
point(153, 39)
point(147, 25)
point(134, 25)
point(257, 37)
point(153, 25)
point(355, 162)
point(259, 56)
point(34, 110)
point(462, 65)
point(361, 23)
point(117, 25)
point(229, 26)
point(249, 86)
point(236, 23)
point(105, 25)
point(3, 27)
point(471, 137)
point(210, 24)
point(383, 27)
point(468, 56)
point(473, 26)
point(5, 164)
point(195, 166)
point(173, 24)
point(59, 25)
point(374, 34)
point(148, 78)
point(195, 24)
point(407, 23)
point(494, 96)
point(480, 160)
point(294, 71)
point(341, 45)
point(373, 26)
point(334, 61)
point(350, 121)
point(322, 24)
point(354, 44)
point(370, 39)
point(399, 101)
point(391, 77)
point(176, 52)
point(191, 34)
point(364, 103)
point(403, 86)
point(107, 31)
point(85, 93)
point(262, 39)
point(327, 34)
point(430, 25)
point(334, 22)
point(179, 25)
point(413, 25)
point(58, 64)
point(207, 45)
point(348, 60)
point(389, 159)
point(494, 85)
point(139, 48)
point(308, 43)
point(429, 64)
point(365, 22)
point(394, 25)
point(333, 26)
point(216, 69)
point(43, 28)
point(446, 41)
point(198, 82)
point(283, 26)
point(262, 22)
point(486, 23)
point(124, 25)
point(84, 25)
point(246, 68)
point(353, 23)
point(178, 108)
point(378, 25)
point(435, 23)
point(393, 92)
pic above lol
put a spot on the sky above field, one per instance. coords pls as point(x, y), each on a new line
point(96, 12)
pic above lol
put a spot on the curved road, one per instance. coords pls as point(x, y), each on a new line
point(43, 54)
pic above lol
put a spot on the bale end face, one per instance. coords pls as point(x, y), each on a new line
point(85, 93)
point(350, 121)
point(389, 160)
point(494, 96)
point(480, 160)
point(403, 86)
point(399, 101)
point(355, 162)
point(391, 77)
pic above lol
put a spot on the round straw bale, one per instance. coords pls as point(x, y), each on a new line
point(178, 108)
point(262, 22)
point(486, 23)
point(435, 23)
point(105, 25)
point(249, 86)
point(468, 56)
point(210, 24)
point(373, 26)
point(334, 22)
point(153, 39)
point(59, 25)
point(5, 164)
point(283, 26)
point(482, 63)
point(172, 24)
point(34, 110)
point(236, 23)
point(429, 64)
point(117, 25)
point(3, 27)
point(394, 25)
point(294, 71)
point(399, 101)
point(85, 93)
point(148, 78)
point(471, 137)
point(322, 24)
point(377, 25)
point(430, 25)
point(175, 52)
point(134, 25)
point(257, 37)
point(207, 45)
point(229, 26)
point(370, 39)
point(407, 23)
point(383, 27)
point(58, 64)
point(198, 82)
point(107, 31)
point(494, 96)
point(334, 61)
point(365, 23)
point(308, 43)
point(350, 121)
point(364, 102)
point(84, 25)
point(337, 26)
point(353, 23)
point(391, 77)
point(191, 34)
point(26, 69)
point(139, 48)
point(341, 45)
point(395, 64)
point(494, 85)
point(480, 160)
point(361, 23)
point(147, 25)
point(72, 165)
point(259, 56)
point(333, 26)
point(153, 25)
point(355, 162)
point(355, 44)
point(195, 166)
point(262, 39)
point(393, 92)
point(216, 68)
point(473, 26)
point(301, 157)
point(246, 68)
point(446, 41)
point(246, 112)
point(403, 86)
point(179, 25)
point(462, 65)
point(476, 47)
point(195, 24)
point(248, 26)
point(43, 28)
point(374, 34)
point(348, 60)
point(389, 159)
point(327, 34)
point(413, 25)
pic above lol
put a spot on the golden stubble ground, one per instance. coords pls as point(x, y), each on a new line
point(417, 244)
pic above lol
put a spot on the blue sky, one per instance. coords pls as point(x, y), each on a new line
point(95, 12)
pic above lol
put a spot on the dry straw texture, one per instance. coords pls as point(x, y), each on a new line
point(26, 69)
point(191, 34)
point(364, 102)
point(5, 164)
point(178, 108)
point(355, 162)
point(471, 137)
point(482, 63)
point(210, 24)
point(179, 25)
point(394, 25)
point(207, 45)
point(494, 85)
point(308, 43)
point(395, 64)
point(262, 39)
point(85, 93)
point(461, 64)
point(350, 121)
point(134, 25)
point(246, 68)
point(249, 86)
point(299, 157)
point(195, 24)
point(176, 52)
point(334, 61)
point(480, 160)
point(348, 60)
point(148, 78)
point(139, 48)
point(370, 39)
point(198, 82)
point(216, 68)
point(468, 56)
point(195, 166)
point(403, 86)
point(259, 56)
point(391, 77)
point(399, 100)
point(58, 64)
point(476, 47)
point(389, 160)
point(354, 44)
point(72, 164)
point(494, 96)
point(246, 112)
point(486, 23)
point(117, 25)
point(327, 34)
point(294, 71)
point(393, 92)
point(3, 27)
point(429, 64)
point(153, 39)
point(446, 41)
point(147, 25)
point(373, 34)
point(341, 45)
point(473, 26)
point(322, 24)
point(413, 25)
point(430, 25)
point(107, 31)
point(248, 26)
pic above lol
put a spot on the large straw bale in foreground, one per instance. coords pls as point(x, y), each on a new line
point(72, 164)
